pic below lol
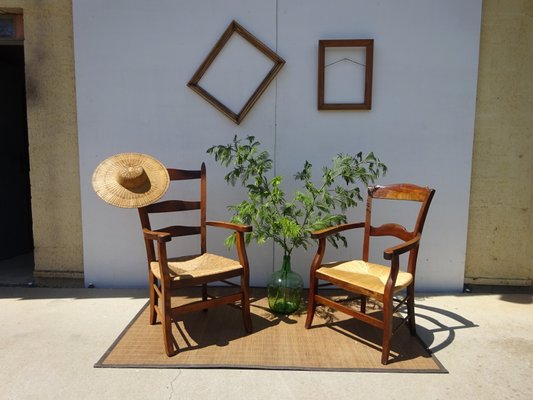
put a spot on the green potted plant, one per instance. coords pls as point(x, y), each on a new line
point(289, 222)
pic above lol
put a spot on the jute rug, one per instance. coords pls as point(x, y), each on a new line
point(217, 339)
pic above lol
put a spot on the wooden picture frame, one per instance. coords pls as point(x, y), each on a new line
point(368, 46)
point(278, 62)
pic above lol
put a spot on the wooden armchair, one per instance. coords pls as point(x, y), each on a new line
point(166, 274)
point(367, 279)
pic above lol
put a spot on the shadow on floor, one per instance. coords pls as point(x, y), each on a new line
point(17, 271)
point(439, 326)
point(511, 294)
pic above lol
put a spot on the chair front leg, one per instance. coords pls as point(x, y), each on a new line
point(164, 302)
point(245, 304)
point(245, 281)
point(313, 281)
point(387, 328)
point(167, 325)
point(311, 307)
point(388, 307)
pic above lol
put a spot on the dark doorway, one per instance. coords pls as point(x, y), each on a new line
point(16, 237)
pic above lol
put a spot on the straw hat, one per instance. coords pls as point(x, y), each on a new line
point(130, 180)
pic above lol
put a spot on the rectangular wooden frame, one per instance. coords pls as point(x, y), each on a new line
point(368, 44)
point(234, 27)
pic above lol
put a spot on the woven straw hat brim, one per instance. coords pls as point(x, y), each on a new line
point(106, 180)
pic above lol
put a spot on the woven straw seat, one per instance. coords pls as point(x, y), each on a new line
point(197, 266)
point(364, 275)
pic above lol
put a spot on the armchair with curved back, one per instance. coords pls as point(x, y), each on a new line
point(369, 280)
point(167, 274)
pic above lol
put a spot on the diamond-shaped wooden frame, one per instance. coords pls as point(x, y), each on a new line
point(234, 27)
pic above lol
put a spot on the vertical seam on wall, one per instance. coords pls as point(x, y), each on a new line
point(275, 125)
point(276, 97)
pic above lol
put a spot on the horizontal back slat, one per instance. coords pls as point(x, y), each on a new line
point(401, 191)
point(395, 230)
point(182, 174)
point(173, 205)
point(181, 230)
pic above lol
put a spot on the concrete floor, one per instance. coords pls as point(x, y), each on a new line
point(51, 338)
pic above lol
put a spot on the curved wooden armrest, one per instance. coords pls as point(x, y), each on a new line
point(241, 247)
point(230, 225)
point(155, 235)
point(395, 251)
point(322, 233)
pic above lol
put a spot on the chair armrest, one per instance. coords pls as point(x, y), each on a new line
point(322, 233)
point(155, 235)
point(230, 225)
point(240, 242)
point(395, 251)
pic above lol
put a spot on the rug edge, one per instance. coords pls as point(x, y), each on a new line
point(101, 362)
point(439, 370)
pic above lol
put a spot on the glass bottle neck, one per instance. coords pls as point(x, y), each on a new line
point(286, 266)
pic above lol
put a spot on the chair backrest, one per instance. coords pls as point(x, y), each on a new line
point(405, 192)
point(167, 206)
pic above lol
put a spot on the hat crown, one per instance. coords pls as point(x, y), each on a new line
point(132, 177)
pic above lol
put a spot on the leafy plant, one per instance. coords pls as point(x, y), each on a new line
point(289, 223)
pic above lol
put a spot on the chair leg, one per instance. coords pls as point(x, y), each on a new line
point(387, 331)
point(312, 303)
point(153, 298)
point(363, 304)
point(411, 309)
point(167, 329)
point(245, 305)
point(204, 295)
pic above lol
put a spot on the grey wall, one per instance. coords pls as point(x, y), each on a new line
point(134, 58)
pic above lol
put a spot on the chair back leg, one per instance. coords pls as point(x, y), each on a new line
point(153, 299)
point(411, 309)
point(363, 304)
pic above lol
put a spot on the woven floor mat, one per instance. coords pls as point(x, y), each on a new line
point(217, 339)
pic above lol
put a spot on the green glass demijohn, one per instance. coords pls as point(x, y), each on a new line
point(284, 289)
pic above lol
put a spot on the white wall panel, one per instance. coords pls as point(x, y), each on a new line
point(134, 58)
